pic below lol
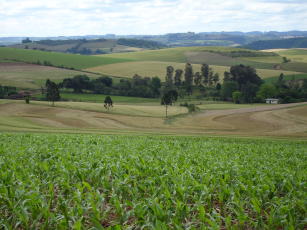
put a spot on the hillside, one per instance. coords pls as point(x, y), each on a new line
point(278, 44)
point(154, 62)
point(89, 47)
point(231, 38)
point(56, 59)
point(30, 76)
point(220, 119)
point(145, 63)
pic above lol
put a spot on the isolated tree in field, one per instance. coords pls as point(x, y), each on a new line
point(178, 77)
point(188, 78)
point(52, 91)
point(169, 75)
point(205, 73)
point(168, 98)
point(197, 79)
point(27, 99)
point(108, 103)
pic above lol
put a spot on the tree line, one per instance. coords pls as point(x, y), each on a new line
point(137, 86)
point(6, 91)
point(240, 85)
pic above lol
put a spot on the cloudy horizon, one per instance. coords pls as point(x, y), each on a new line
point(40, 18)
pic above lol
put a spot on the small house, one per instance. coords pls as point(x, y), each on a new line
point(271, 101)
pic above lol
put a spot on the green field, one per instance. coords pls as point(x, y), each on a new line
point(177, 54)
point(287, 78)
point(85, 97)
point(155, 68)
point(53, 181)
point(28, 76)
point(58, 59)
point(93, 45)
point(147, 63)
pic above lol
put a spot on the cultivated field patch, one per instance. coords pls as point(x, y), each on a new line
point(158, 68)
point(31, 76)
point(94, 181)
point(58, 59)
point(213, 119)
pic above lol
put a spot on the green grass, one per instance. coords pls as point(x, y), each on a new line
point(155, 68)
point(269, 59)
point(26, 76)
point(175, 54)
point(83, 97)
point(53, 181)
point(58, 59)
point(297, 66)
point(286, 77)
point(292, 52)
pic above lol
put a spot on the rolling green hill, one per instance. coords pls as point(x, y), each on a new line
point(155, 68)
point(88, 47)
point(57, 59)
point(29, 76)
point(278, 44)
point(181, 54)
point(153, 62)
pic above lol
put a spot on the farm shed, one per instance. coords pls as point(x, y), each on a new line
point(271, 101)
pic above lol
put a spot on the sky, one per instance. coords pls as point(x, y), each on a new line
point(124, 17)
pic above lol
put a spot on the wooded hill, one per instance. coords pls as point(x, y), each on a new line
point(278, 44)
point(89, 47)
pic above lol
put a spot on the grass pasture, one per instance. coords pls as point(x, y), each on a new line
point(86, 97)
point(93, 45)
point(287, 77)
point(29, 76)
point(132, 182)
point(156, 68)
point(58, 59)
point(181, 54)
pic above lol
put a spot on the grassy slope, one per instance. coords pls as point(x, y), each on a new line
point(123, 108)
point(91, 44)
point(155, 68)
point(149, 63)
point(28, 76)
point(82, 97)
point(171, 54)
point(215, 119)
point(58, 59)
point(287, 77)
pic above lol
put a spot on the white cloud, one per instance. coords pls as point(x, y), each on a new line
point(80, 17)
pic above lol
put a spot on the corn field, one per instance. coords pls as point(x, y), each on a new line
point(62, 181)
